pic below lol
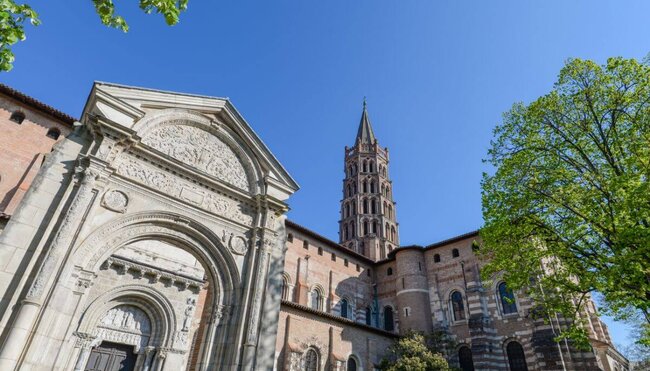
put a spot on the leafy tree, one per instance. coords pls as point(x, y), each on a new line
point(13, 17)
point(412, 353)
point(568, 206)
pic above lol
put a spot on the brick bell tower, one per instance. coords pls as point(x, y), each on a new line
point(368, 223)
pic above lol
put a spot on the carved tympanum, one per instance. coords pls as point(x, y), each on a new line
point(200, 149)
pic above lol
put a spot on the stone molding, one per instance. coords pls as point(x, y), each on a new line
point(156, 273)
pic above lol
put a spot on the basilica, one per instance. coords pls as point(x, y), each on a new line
point(150, 234)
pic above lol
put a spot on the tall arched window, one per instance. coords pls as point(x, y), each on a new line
point(507, 298)
point(455, 253)
point(365, 166)
point(457, 306)
point(352, 234)
point(465, 359)
point(368, 316)
point(352, 364)
point(311, 360)
point(364, 187)
point(371, 166)
point(316, 299)
point(392, 234)
point(374, 227)
point(346, 236)
point(516, 357)
point(365, 227)
point(387, 231)
point(389, 324)
point(365, 206)
point(349, 190)
point(372, 186)
point(344, 308)
point(285, 287)
point(354, 208)
point(373, 205)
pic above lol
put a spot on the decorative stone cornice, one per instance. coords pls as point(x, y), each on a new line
point(158, 274)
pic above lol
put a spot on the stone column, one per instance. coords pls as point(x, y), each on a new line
point(148, 358)
point(31, 306)
point(85, 343)
point(256, 305)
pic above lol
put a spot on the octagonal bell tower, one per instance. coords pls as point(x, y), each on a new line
point(368, 222)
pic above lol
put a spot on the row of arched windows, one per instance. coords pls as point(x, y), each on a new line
point(505, 296)
point(514, 353)
point(312, 361)
point(367, 187)
point(18, 117)
point(454, 254)
point(368, 206)
point(369, 227)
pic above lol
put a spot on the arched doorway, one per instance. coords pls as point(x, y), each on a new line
point(184, 283)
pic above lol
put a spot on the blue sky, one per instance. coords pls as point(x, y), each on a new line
point(437, 74)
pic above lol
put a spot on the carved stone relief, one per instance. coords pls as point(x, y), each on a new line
point(125, 324)
point(115, 201)
point(200, 149)
point(184, 190)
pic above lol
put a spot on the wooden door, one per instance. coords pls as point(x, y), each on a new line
point(111, 357)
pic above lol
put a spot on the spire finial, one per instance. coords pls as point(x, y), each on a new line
point(365, 103)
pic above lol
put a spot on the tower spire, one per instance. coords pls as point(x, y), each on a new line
point(368, 223)
point(365, 135)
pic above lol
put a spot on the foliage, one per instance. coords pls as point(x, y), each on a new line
point(13, 17)
point(412, 353)
point(567, 210)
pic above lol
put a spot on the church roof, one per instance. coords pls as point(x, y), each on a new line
point(365, 135)
point(36, 104)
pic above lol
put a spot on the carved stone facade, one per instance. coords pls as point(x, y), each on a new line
point(160, 234)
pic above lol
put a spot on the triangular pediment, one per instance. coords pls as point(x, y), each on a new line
point(206, 133)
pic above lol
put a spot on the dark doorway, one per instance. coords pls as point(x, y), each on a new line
point(111, 357)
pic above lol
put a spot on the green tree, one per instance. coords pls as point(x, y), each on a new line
point(568, 206)
point(412, 353)
point(13, 17)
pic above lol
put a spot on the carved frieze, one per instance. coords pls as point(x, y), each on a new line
point(199, 149)
point(184, 190)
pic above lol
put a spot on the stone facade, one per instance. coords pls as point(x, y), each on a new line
point(153, 237)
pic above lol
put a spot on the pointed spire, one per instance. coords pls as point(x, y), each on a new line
point(365, 134)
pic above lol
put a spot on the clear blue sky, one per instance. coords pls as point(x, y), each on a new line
point(437, 74)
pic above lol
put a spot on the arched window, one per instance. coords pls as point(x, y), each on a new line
point(346, 236)
point(465, 359)
point(365, 227)
point(53, 133)
point(390, 211)
point(365, 166)
point(436, 258)
point(507, 298)
point(372, 186)
point(455, 253)
point(354, 208)
point(352, 234)
point(344, 308)
point(389, 272)
point(389, 325)
point(17, 117)
point(349, 190)
point(383, 189)
point(352, 364)
point(316, 299)
point(457, 306)
point(374, 206)
point(364, 187)
point(311, 360)
point(387, 231)
point(290, 237)
point(392, 234)
point(516, 357)
point(365, 206)
point(285, 287)
point(350, 173)
point(371, 166)
point(374, 227)
point(368, 316)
